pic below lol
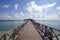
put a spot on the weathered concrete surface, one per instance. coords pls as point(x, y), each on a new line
point(28, 32)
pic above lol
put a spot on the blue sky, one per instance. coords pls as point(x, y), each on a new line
point(35, 9)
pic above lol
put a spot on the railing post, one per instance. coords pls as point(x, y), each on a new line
point(55, 35)
point(3, 36)
point(50, 33)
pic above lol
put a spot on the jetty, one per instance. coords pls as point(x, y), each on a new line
point(31, 30)
point(28, 32)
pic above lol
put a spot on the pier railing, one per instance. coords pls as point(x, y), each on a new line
point(46, 32)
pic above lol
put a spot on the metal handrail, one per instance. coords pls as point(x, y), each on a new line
point(43, 31)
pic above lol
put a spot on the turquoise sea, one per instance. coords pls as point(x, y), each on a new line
point(50, 23)
point(9, 24)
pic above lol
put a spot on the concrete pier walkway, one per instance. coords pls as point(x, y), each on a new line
point(28, 32)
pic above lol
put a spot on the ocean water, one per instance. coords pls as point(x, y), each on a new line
point(9, 24)
point(6, 25)
point(51, 23)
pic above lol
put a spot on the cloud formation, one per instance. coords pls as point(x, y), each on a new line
point(4, 6)
point(47, 6)
point(19, 15)
point(5, 16)
point(39, 11)
point(58, 8)
point(16, 6)
point(33, 6)
point(16, 16)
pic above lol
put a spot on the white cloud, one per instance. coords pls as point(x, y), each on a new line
point(49, 5)
point(4, 6)
point(40, 16)
point(16, 6)
point(19, 15)
point(58, 12)
point(37, 12)
point(58, 8)
point(32, 7)
point(52, 17)
point(16, 16)
point(5, 16)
